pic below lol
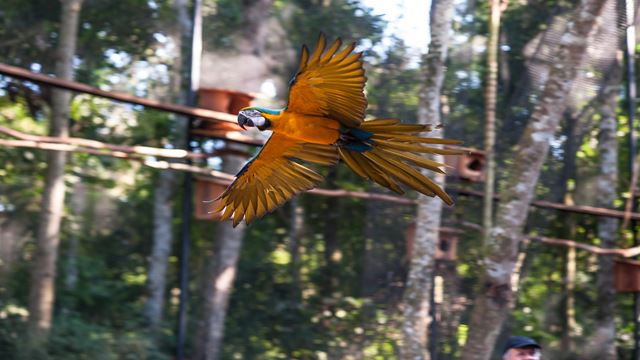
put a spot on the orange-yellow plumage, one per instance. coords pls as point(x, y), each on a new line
point(324, 122)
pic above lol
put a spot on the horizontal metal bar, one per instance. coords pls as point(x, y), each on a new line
point(205, 114)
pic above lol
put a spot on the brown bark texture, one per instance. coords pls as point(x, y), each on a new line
point(491, 93)
point(13, 235)
point(161, 248)
point(220, 274)
point(222, 268)
point(495, 297)
point(165, 186)
point(77, 223)
point(296, 234)
point(42, 291)
point(602, 343)
point(417, 296)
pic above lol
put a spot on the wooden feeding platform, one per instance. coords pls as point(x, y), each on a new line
point(226, 101)
point(207, 190)
point(627, 275)
point(469, 166)
point(447, 249)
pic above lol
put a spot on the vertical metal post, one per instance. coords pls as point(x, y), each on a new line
point(631, 103)
point(187, 195)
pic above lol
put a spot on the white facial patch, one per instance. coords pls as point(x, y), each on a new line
point(255, 116)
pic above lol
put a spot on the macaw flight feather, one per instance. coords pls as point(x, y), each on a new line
point(323, 123)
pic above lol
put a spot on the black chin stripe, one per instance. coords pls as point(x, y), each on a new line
point(267, 124)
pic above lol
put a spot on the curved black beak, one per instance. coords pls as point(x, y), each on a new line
point(244, 120)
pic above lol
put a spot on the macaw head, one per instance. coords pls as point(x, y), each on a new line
point(252, 116)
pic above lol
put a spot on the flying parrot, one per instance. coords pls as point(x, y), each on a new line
point(322, 123)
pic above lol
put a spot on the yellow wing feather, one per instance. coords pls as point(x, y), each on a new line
point(330, 82)
point(273, 177)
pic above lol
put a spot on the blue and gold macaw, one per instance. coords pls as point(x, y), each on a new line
point(322, 123)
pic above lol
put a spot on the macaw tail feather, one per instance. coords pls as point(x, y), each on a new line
point(384, 151)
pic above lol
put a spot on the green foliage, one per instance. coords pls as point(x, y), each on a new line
point(347, 19)
point(393, 85)
point(74, 338)
point(224, 18)
point(342, 297)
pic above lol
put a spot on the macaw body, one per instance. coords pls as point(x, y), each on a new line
point(323, 123)
point(307, 128)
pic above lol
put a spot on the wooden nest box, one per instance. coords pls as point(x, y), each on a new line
point(469, 166)
point(206, 191)
point(627, 275)
point(447, 248)
point(222, 100)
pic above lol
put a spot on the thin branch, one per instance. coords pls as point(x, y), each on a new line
point(73, 144)
point(20, 73)
point(629, 252)
point(137, 153)
point(582, 209)
point(156, 164)
point(363, 195)
point(218, 176)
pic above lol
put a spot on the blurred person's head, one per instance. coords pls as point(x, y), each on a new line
point(521, 348)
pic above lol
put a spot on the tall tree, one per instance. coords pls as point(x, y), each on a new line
point(42, 292)
point(417, 296)
point(165, 184)
point(491, 95)
point(495, 296)
point(330, 236)
point(77, 220)
point(161, 248)
point(220, 274)
point(602, 344)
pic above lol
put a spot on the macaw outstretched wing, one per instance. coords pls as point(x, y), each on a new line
point(329, 83)
point(273, 177)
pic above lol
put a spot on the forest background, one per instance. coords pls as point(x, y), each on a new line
point(90, 240)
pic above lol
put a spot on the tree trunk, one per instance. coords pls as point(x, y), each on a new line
point(254, 33)
point(13, 235)
point(79, 204)
point(491, 93)
point(567, 230)
point(375, 252)
point(296, 232)
point(221, 269)
point(449, 308)
point(417, 296)
point(602, 344)
point(42, 292)
point(330, 237)
point(495, 297)
point(219, 274)
point(164, 186)
point(161, 248)
point(569, 323)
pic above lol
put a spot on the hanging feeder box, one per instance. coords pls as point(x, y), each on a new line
point(207, 190)
point(214, 99)
point(222, 100)
point(239, 101)
point(627, 275)
point(468, 166)
point(447, 248)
